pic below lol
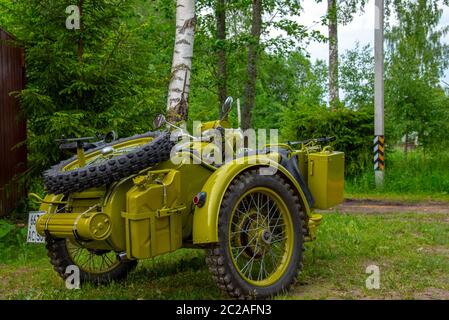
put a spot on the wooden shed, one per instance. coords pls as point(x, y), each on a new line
point(13, 159)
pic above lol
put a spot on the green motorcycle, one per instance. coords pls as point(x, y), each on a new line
point(147, 195)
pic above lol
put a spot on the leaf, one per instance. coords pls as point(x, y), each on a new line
point(5, 229)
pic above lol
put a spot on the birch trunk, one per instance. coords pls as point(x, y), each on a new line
point(333, 55)
point(179, 87)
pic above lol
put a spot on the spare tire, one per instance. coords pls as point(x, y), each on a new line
point(124, 157)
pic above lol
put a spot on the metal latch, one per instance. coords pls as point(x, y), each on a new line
point(169, 211)
point(312, 165)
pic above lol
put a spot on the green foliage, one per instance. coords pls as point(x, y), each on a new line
point(418, 174)
point(415, 103)
point(109, 75)
point(353, 130)
point(290, 37)
point(343, 10)
point(283, 83)
point(13, 245)
point(357, 77)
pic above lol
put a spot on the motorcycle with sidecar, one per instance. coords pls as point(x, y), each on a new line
point(144, 196)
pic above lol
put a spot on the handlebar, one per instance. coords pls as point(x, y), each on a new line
point(315, 140)
point(72, 144)
point(82, 139)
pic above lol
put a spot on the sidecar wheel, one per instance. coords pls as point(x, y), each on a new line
point(261, 238)
point(98, 267)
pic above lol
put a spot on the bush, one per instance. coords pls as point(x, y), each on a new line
point(13, 244)
point(415, 174)
point(354, 131)
point(11, 238)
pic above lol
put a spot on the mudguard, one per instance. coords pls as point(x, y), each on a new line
point(205, 219)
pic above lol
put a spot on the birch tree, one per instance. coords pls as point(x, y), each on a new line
point(179, 87)
point(338, 11)
point(334, 88)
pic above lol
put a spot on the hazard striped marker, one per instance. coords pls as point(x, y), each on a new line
point(379, 153)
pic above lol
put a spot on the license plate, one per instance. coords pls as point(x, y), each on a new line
point(33, 236)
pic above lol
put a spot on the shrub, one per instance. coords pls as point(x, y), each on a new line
point(354, 131)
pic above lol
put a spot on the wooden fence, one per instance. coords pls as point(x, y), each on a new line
point(13, 159)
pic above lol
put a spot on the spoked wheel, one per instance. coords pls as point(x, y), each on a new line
point(261, 237)
point(92, 260)
point(97, 266)
point(261, 234)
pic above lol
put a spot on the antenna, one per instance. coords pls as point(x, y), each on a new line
point(183, 102)
point(180, 107)
point(184, 86)
point(239, 113)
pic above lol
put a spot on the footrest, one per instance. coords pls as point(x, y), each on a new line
point(314, 222)
point(316, 219)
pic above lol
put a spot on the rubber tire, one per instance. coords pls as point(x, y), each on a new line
point(218, 257)
point(60, 259)
point(158, 150)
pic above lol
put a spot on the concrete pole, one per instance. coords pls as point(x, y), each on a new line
point(379, 127)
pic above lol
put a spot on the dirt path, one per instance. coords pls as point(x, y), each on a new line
point(380, 206)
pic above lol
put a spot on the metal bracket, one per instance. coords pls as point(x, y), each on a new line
point(170, 211)
point(40, 200)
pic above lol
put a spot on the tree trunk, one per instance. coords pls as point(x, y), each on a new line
point(333, 55)
point(222, 73)
point(179, 87)
point(253, 48)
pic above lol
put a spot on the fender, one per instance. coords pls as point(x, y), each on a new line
point(205, 219)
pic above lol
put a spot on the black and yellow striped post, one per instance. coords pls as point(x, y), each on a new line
point(379, 114)
point(379, 153)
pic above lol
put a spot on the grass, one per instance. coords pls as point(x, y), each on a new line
point(397, 197)
point(415, 177)
point(411, 250)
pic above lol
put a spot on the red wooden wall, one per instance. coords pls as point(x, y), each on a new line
point(12, 124)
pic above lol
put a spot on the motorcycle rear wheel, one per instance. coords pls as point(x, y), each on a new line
point(95, 266)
